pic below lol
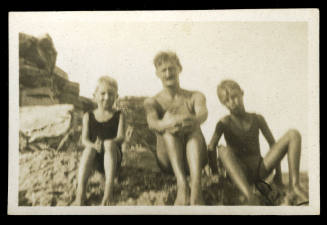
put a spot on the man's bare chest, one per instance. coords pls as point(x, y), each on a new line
point(178, 105)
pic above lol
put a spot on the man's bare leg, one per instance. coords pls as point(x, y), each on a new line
point(176, 156)
point(235, 171)
point(196, 158)
point(290, 143)
point(85, 169)
point(110, 165)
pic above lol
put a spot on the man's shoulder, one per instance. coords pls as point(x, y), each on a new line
point(149, 101)
point(193, 93)
point(225, 120)
point(153, 101)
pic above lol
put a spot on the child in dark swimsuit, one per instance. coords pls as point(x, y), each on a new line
point(102, 136)
point(242, 158)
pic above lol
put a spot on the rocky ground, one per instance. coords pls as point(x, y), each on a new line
point(48, 178)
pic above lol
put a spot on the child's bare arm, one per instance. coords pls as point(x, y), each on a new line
point(216, 137)
point(121, 130)
point(85, 133)
point(212, 153)
point(266, 130)
point(271, 141)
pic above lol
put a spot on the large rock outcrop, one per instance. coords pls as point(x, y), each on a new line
point(40, 52)
point(41, 82)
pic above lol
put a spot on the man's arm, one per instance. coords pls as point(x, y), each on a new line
point(153, 120)
point(200, 108)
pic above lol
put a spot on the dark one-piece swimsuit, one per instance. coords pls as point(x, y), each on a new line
point(245, 146)
point(104, 131)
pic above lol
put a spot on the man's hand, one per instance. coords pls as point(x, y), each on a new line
point(189, 123)
point(172, 123)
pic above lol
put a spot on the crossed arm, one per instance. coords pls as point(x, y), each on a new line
point(172, 124)
point(152, 116)
point(200, 108)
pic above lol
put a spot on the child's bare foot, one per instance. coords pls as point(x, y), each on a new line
point(297, 196)
point(254, 200)
point(183, 196)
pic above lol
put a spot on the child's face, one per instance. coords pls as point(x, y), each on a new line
point(234, 101)
point(105, 96)
point(168, 73)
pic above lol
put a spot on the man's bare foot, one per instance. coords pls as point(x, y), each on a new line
point(78, 202)
point(183, 196)
point(107, 202)
point(198, 201)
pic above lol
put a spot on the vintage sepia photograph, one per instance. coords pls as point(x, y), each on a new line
point(164, 112)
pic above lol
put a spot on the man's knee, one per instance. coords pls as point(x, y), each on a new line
point(169, 137)
point(294, 134)
point(172, 142)
point(222, 150)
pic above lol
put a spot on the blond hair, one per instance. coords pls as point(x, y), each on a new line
point(109, 81)
point(166, 56)
point(225, 87)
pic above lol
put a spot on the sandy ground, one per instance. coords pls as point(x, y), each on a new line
point(49, 178)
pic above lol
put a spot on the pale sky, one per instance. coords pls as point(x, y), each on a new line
point(267, 59)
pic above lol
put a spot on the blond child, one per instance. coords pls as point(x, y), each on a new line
point(242, 158)
point(102, 136)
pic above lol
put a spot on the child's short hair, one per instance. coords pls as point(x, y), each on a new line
point(225, 87)
point(166, 56)
point(109, 81)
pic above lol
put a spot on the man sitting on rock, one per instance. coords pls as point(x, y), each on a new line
point(175, 114)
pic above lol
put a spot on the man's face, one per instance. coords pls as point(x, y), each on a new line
point(168, 72)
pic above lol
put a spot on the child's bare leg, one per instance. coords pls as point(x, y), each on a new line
point(235, 171)
point(176, 156)
point(290, 143)
point(196, 158)
point(110, 165)
point(278, 177)
point(85, 168)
